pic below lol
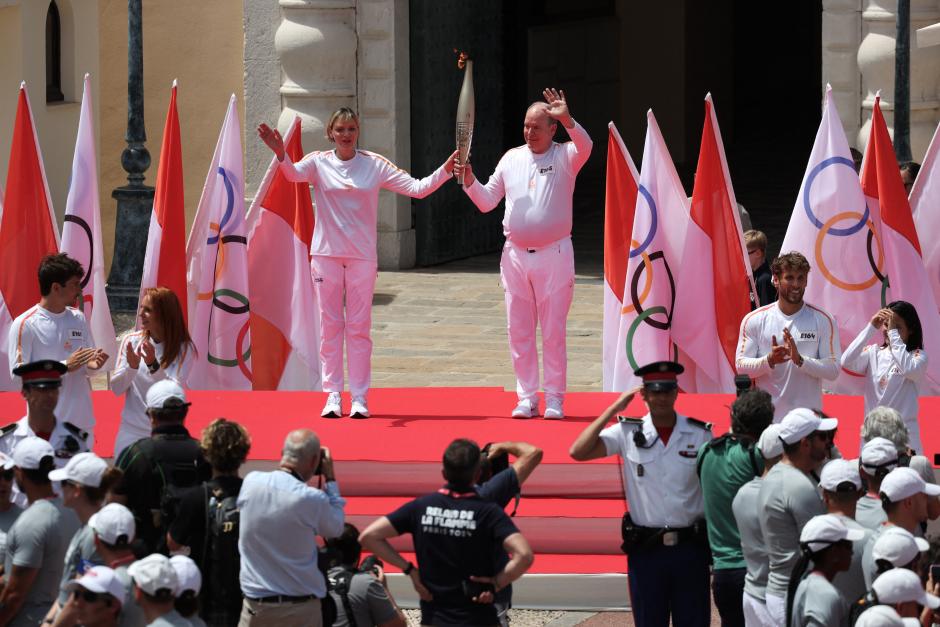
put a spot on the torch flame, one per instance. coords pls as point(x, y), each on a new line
point(462, 58)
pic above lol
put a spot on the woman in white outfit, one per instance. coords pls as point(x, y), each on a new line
point(161, 349)
point(889, 353)
point(346, 183)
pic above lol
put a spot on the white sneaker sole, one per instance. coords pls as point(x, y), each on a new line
point(553, 415)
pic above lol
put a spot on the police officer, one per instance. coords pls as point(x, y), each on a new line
point(664, 531)
point(41, 382)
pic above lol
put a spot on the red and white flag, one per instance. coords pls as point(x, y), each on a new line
point(285, 329)
point(659, 226)
point(81, 231)
point(839, 234)
point(925, 206)
point(217, 262)
point(714, 288)
point(165, 259)
point(903, 263)
point(618, 226)
point(27, 228)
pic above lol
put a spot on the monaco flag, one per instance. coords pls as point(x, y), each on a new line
point(81, 231)
point(659, 226)
point(27, 228)
point(618, 226)
point(925, 205)
point(217, 262)
point(840, 236)
point(903, 265)
point(285, 329)
point(715, 284)
point(165, 259)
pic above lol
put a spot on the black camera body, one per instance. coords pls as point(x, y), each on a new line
point(491, 465)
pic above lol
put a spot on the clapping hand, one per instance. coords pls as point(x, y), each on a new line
point(793, 353)
point(778, 354)
point(130, 354)
point(98, 360)
point(80, 358)
point(148, 352)
point(558, 106)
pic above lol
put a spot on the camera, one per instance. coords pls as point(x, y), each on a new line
point(491, 464)
point(371, 564)
point(742, 383)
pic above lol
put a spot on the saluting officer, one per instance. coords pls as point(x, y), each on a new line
point(41, 382)
point(664, 531)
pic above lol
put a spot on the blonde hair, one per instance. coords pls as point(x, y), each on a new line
point(343, 114)
point(756, 238)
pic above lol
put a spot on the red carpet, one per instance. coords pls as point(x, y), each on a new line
point(570, 512)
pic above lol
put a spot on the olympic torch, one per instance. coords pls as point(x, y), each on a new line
point(465, 112)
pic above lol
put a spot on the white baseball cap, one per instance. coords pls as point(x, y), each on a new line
point(188, 576)
point(102, 580)
point(29, 453)
point(153, 573)
point(898, 546)
point(825, 530)
point(769, 443)
point(900, 585)
point(85, 469)
point(162, 391)
point(902, 483)
point(884, 616)
point(878, 453)
point(800, 422)
point(6, 462)
point(838, 472)
point(113, 521)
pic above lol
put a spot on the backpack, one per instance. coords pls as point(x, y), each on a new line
point(339, 585)
point(220, 556)
point(856, 609)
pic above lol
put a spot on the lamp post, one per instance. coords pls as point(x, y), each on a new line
point(902, 83)
point(134, 200)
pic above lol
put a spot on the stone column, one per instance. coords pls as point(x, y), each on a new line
point(841, 36)
point(876, 64)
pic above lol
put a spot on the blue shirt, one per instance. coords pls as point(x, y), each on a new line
point(280, 519)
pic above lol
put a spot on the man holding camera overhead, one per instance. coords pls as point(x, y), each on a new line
point(281, 516)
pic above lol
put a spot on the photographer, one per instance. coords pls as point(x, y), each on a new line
point(361, 594)
point(280, 518)
point(500, 483)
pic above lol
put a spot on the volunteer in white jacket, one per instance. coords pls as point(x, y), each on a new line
point(161, 349)
point(346, 184)
point(789, 346)
point(537, 266)
point(894, 368)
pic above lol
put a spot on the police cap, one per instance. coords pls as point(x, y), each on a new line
point(45, 373)
point(660, 376)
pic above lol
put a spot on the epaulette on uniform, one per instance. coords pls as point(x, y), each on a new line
point(629, 420)
point(7, 429)
point(83, 435)
point(701, 424)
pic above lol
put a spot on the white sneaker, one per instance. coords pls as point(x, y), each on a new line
point(359, 409)
point(333, 407)
point(553, 409)
point(525, 409)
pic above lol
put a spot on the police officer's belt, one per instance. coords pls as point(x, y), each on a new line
point(637, 537)
point(280, 598)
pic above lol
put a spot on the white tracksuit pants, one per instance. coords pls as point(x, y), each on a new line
point(539, 285)
point(334, 277)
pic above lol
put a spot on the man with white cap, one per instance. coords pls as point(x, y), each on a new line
point(9, 511)
point(897, 548)
point(97, 597)
point(154, 584)
point(158, 469)
point(114, 529)
point(904, 496)
point(188, 585)
point(903, 590)
point(38, 540)
point(752, 538)
point(884, 616)
point(826, 543)
point(842, 487)
point(879, 456)
point(788, 498)
point(42, 381)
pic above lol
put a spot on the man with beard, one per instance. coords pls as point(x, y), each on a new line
point(788, 347)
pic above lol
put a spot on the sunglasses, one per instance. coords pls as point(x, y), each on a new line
point(90, 597)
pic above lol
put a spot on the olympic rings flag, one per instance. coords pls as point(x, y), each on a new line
point(217, 262)
point(925, 205)
point(81, 231)
point(833, 227)
point(903, 264)
point(618, 226)
point(285, 325)
point(659, 226)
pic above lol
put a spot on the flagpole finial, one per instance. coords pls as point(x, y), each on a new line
point(708, 96)
point(87, 76)
point(175, 83)
point(22, 84)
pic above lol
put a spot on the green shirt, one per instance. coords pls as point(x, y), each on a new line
point(725, 464)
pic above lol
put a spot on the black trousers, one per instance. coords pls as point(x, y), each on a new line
point(728, 591)
point(670, 581)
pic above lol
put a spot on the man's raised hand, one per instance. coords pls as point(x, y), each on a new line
point(558, 106)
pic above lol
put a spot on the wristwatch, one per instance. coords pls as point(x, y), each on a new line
point(154, 366)
point(408, 568)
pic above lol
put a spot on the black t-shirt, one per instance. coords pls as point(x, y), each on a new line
point(501, 489)
point(455, 536)
point(764, 283)
point(189, 528)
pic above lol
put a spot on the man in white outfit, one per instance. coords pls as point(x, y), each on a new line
point(537, 266)
point(789, 346)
